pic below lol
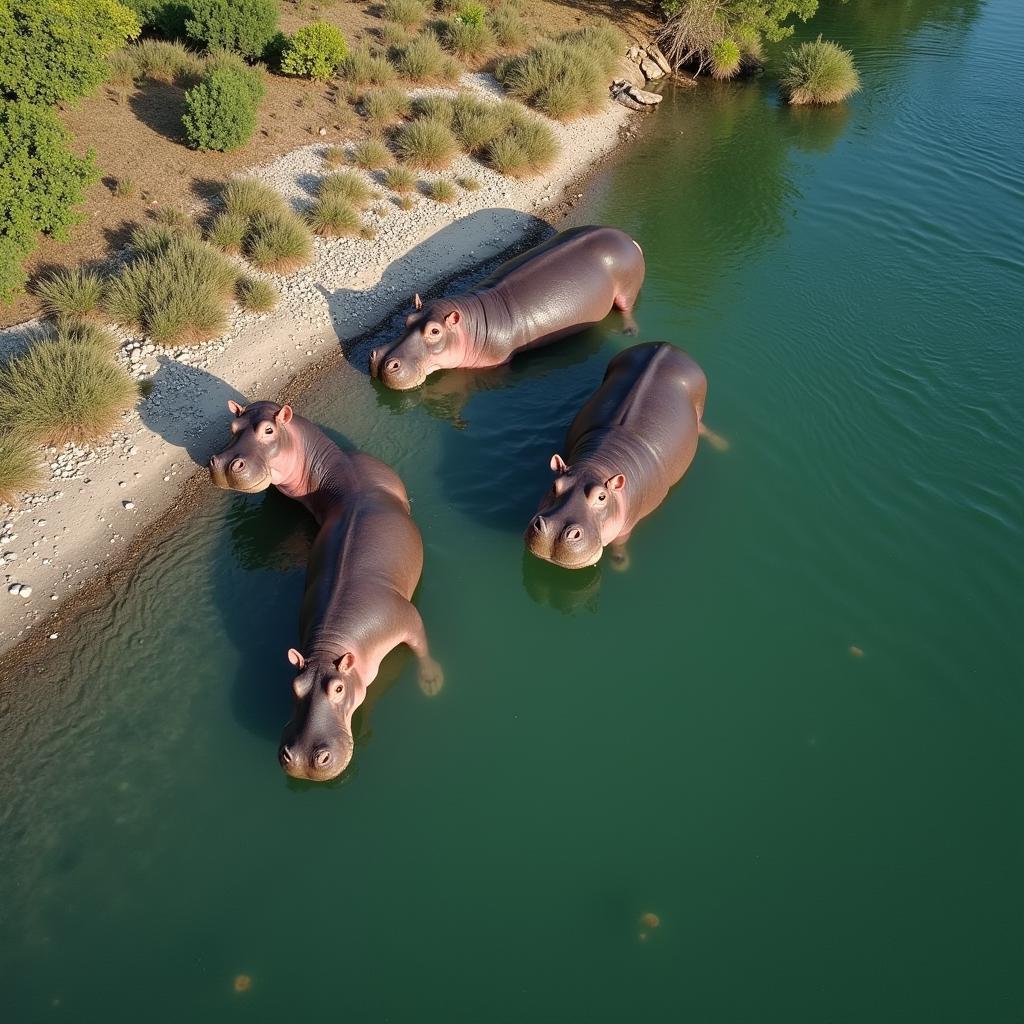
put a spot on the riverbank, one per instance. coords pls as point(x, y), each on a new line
point(104, 503)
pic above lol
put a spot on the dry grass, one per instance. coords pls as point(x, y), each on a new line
point(426, 144)
point(248, 197)
point(405, 202)
point(510, 30)
point(363, 67)
point(468, 39)
point(371, 155)
point(160, 61)
point(399, 179)
point(20, 467)
point(407, 13)
point(469, 184)
point(278, 242)
point(526, 145)
point(71, 294)
point(335, 156)
point(386, 106)
point(125, 188)
point(333, 216)
point(442, 191)
point(228, 231)
point(424, 61)
point(256, 295)
point(348, 186)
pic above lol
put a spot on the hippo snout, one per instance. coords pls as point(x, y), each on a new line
point(539, 525)
point(375, 357)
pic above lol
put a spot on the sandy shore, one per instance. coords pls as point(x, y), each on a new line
point(101, 499)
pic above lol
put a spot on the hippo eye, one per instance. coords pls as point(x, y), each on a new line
point(268, 430)
point(602, 496)
point(339, 688)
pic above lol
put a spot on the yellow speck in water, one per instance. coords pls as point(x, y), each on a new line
point(856, 651)
point(643, 936)
point(243, 983)
point(650, 920)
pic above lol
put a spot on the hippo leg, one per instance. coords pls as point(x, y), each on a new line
point(618, 555)
point(431, 675)
point(624, 303)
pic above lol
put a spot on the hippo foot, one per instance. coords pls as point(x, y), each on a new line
point(431, 677)
point(619, 558)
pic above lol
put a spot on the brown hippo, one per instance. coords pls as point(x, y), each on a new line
point(365, 564)
point(568, 283)
point(632, 440)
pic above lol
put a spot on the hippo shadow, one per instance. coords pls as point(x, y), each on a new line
point(570, 591)
point(187, 408)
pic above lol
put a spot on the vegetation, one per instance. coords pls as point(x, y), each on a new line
point(442, 191)
point(477, 123)
point(244, 26)
point(248, 198)
point(435, 106)
point(124, 188)
point(405, 12)
point(399, 179)
point(221, 110)
point(469, 184)
point(66, 388)
point(333, 215)
point(371, 155)
point(470, 38)
point(725, 59)
point(386, 106)
point(57, 51)
point(510, 30)
point(471, 12)
point(71, 294)
point(20, 470)
point(167, 62)
point(278, 242)
point(426, 143)
point(42, 181)
point(256, 295)
point(362, 67)
point(424, 60)
point(315, 51)
point(820, 73)
point(405, 202)
point(164, 17)
point(525, 146)
point(347, 186)
point(335, 156)
point(227, 232)
point(175, 288)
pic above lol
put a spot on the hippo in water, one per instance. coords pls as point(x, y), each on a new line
point(566, 284)
point(632, 440)
point(363, 569)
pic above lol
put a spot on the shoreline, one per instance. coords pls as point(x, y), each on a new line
point(296, 349)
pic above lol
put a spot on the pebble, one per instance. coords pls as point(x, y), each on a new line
point(129, 505)
point(53, 636)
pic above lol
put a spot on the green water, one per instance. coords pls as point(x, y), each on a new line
point(824, 837)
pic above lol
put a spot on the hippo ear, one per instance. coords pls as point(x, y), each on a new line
point(234, 408)
point(558, 464)
point(296, 659)
point(284, 414)
point(452, 318)
point(345, 662)
point(417, 301)
point(615, 483)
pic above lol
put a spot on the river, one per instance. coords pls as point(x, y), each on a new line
point(791, 730)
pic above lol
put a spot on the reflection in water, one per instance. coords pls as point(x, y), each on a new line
point(570, 591)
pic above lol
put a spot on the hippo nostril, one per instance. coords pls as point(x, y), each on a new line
point(322, 758)
point(538, 524)
point(393, 366)
point(573, 533)
point(285, 755)
point(212, 462)
point(237, 465)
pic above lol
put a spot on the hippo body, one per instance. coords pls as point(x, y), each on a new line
point(364, 566)
point(633, 439)
point(565, 285)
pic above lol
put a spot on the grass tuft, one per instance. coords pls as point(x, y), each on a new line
point(469, 39)
point(227, 232)
point(435, 106)
point(71, 294)
point(161, 61)
point(399, 179)
point(407, 13)
point(442, 191)
point(335, 156)
point(510, 31)
point(346, 185)
point(386, 106)
point(363, 67)
point(256, 295)
point(371, 155)
point(476, 123)
point(820, 73)
point(405, 202)
point(725, 60)
point(124, 188)
point(469, 184)
point(426, 143)
point(278, 242)
point(248, 197)
point(333, 216)
point(424, 60)
point(20, 468)
point(526, 145)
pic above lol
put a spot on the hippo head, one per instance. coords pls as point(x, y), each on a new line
point(262, 445)
point(317, 743)
point(579, 515)
point(434, 339)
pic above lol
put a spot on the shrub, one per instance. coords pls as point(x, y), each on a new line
point(469, 184)
point(426, 143)
point(526, 146)
point(725, 59)
point(469, 39)
point(404, 12)
point(362, 67)
point(399, 179)
point(278, 242)
point(248, 198)
point(65, 388)
point(227, 232)
point(436, 107)
point(174, 289)
point(20, 469)
point(386, 106)
point(315, 51)
point(42, 180)
point(221, 110)
point(561, 78)
point(245, 26)
point(371, 155)
point(71, 294)
point(333, 215)
point(424, 60)
point(122, 67)
point(509, 28)
point(335, 156)
point(819, 72)
point(57, 51)
point(476, 123)
point(394, 37)
point(441, 191)
point(167, 62)
point(471, 12)
point(347, 186)
point(164, 17)
point(256, 295)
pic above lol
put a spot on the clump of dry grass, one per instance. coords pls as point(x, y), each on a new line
point(363, 67)
point(161, 61)
point(525, 146)
point(71, 294)
point(469, 39)
point(278, 242)
point(399, 179)
point(20, 468)
point(424, 60)
point(435, 106)
point(65, 388)
point(335, 156)
point(469, 184)
point(248, 197)
point(405, 202)
point(819, 72)
point(407, 13)
point(333, 216)
point(125, 188)
point(510, 30)
point(227, 232)
point(347, 186)
point(371, 155)
point(386, 106)
point(256, 295)
point(427, 144)
point(442, 191)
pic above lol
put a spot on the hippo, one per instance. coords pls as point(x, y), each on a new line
point(633, 439)
point(565, 285)
point(363, 568)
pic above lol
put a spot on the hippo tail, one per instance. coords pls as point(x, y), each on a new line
point(719, 443)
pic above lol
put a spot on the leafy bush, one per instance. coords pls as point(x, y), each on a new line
point(66, 388)
point(469, 38)
point(348, 186)
point(333, 215)
point(256, 295)
point(371, 155)
point(441, 191)
point(424, 60)
point(426, 143)
point(164, 17)
point(399, 179)
point(57, 51)
point(245, 26)
point(20, 468)
point(725, 59)
point(167, 62)
point(315, 51)
point(362, 67)
point(471, 13)
point(42, 180)
point(71, 294)
point(404, 12)
point(221, 110)
point(819, 72)
point(386, 106)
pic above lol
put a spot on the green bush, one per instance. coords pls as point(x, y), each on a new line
point(471, 13)
point(725, 59)
point(221, 110)
point(245, 26)
point(819, 72)
point(315, 51)
point(426, 144)
point(164, 17)
point(42, 180)
point(56, 51)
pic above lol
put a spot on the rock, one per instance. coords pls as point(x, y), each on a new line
point(129, 505)
point(652, 72)
point(634, 98)
point(26, 590)
point(322, 131)
point(659, 58)
point(15, 589)
point(627, 71)
point(635, 54)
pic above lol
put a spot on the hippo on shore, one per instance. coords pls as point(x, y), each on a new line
point(568, 283)
point(632, 440)
point(365, 564)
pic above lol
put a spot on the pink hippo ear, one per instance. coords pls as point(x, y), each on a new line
point(452, 318)
point(558, 464)
point(296, 659)
point(234, 408)
point(615, 483)
point(284, 414)
point(345, 662)
point(417, 301)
